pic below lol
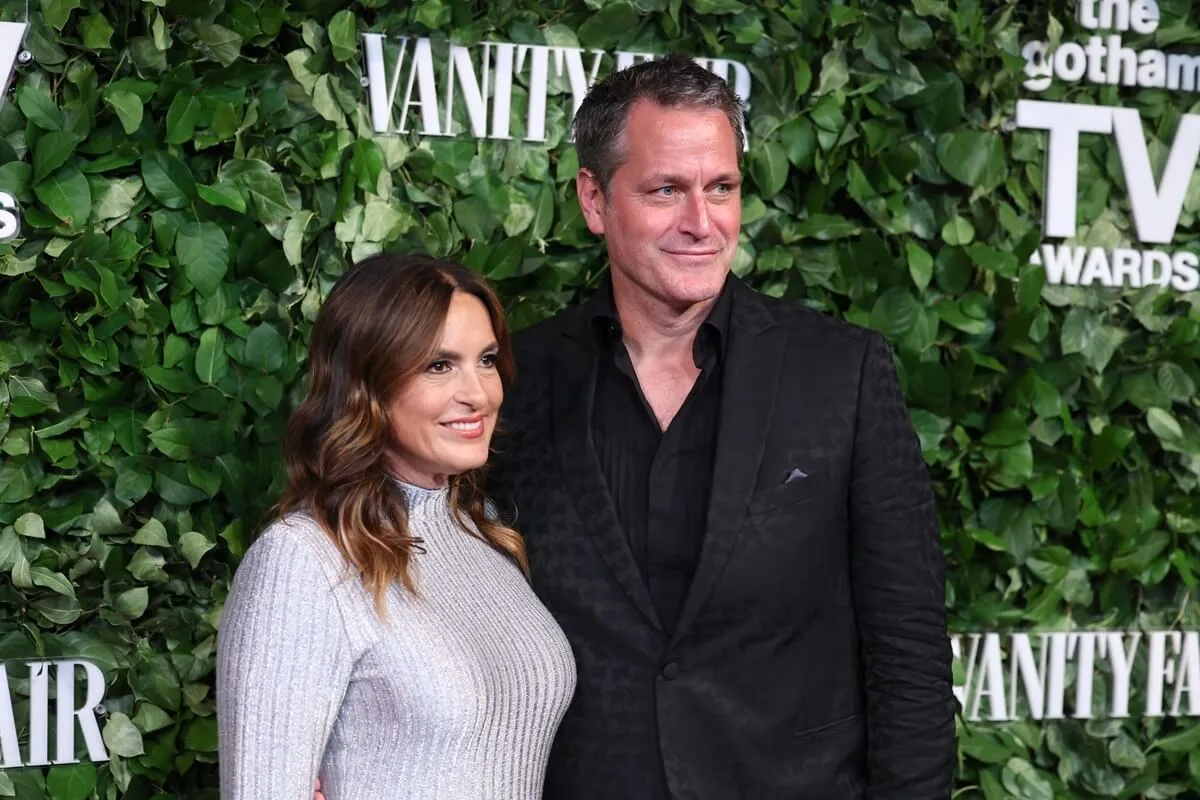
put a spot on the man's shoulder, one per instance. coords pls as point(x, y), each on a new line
point(815, 325)
point(535, 342)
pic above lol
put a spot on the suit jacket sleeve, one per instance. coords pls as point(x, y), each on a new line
point(898, 575)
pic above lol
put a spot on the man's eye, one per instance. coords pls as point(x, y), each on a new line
point(666, 191)
point(723, 188)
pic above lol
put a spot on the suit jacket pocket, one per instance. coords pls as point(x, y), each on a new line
point(828, 727)
point(786, 494)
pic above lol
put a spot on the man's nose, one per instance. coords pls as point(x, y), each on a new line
point(695, 220)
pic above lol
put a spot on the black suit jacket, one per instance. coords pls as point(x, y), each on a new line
point(811, 659)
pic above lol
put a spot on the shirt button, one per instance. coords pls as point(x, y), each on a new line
point(670, 671)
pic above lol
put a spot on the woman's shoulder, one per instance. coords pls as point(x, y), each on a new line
point(297, 541)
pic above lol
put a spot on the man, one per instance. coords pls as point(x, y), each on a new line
point(723, 499)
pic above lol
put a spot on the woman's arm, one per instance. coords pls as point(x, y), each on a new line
point(283, 664)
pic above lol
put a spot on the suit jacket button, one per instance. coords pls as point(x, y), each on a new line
point(670, 671)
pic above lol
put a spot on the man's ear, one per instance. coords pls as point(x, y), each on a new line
point(591, 199)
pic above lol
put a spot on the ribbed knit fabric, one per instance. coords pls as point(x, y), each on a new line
point(456, 696)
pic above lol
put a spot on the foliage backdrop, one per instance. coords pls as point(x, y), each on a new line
point(194, 175)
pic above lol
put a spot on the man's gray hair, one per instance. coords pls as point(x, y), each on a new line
point(673, 81)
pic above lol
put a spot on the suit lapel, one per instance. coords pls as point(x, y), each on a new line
point(753, 360)
point(574, 382)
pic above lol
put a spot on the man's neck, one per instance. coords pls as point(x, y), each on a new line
point(654, 330)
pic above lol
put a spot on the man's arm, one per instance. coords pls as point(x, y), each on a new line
point(898, 575)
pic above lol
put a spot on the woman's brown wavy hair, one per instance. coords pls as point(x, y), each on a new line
point(379, 327)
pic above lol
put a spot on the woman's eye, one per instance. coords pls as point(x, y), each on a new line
point(489, 360)
point(439, 367)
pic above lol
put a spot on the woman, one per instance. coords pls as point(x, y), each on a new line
point(381, 635)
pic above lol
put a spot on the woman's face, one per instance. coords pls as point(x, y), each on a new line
point(443, 418)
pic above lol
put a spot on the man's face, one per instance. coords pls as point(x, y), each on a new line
point(672, 213)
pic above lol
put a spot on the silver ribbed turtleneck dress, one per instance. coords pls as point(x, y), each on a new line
point(456, 695)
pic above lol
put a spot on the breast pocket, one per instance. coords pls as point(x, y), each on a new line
point(787, 494)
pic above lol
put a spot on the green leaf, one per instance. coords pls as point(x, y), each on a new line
point(325, 103)
point(264, 188)
point(203, 250)
point(433, 14)
point(212, 364)
point(717, 6)
point(1080, 327)
point(834, 74)
point(38, 107)
point(19, 480)
point(173, 442)
point(193, 545)
point(825, 227)
point(220, 43)
point(770, 168)
point(800, 138)
point(383, 223)
point(958, 232)
point(58, 12)
point(72, 782)
point(343, 35)
point(181, 118)
point(132, 486)
point(16, 177)
point(202, 735)
point(1109, 444)
point(920, 264)
point(1102, 345)
point(117, 197)
point(1123, 751)
point(132, 603)
point(121, 736)
point(975, 158)
point(293, 237)
point(51, 152)
point(914, 33)
point(1164, 425)
point(1185, 741)
point(224, 195)
point(128, 107)
point(30, 524)
point(68, 196)
point(156, 681)
point(895, 312)
point(152, 533)
point(1178, 385)
point(54, 581)
point(1024, 782)
point(147, 565)
point(29, 396)
point(96, 32)
point(168, 179)
point(265, 350)
point(150, 718)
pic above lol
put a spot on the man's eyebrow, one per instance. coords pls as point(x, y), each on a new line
point(661, 178)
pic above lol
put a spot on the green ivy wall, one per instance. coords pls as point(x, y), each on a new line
point(194, 175)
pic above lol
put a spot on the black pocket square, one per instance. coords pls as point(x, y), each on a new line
point(795, 475)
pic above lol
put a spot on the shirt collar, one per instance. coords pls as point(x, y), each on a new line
point(713, 333)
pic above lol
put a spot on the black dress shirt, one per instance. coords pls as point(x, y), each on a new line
point(659, 481)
